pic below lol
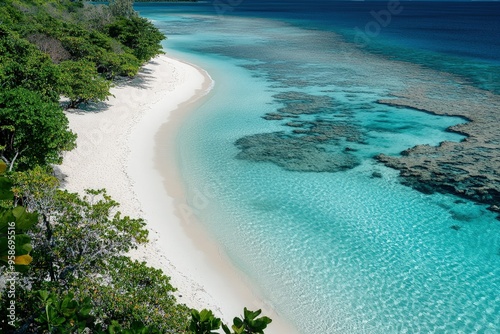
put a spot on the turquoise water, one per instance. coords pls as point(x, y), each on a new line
point(332, 252)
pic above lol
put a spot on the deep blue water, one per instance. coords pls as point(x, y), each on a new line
point(427, 33)
point(278, 162)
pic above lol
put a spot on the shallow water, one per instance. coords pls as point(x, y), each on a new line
point(339, 249)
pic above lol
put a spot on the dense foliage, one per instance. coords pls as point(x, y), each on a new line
point(50, 49)
point(23, 65)
point(78, 277)
point(32, 130)
point(138, 34)
point(15, 244)
point(205, 322)
point(40, 37)
point(80, 82)
point(62, 263)
point(71, 275)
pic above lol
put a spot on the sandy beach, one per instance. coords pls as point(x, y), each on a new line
point(126, 145)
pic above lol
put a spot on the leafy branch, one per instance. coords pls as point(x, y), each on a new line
point(205, 322)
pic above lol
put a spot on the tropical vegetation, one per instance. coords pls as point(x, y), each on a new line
point(63, 263)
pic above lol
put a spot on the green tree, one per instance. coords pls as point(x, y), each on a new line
point(23, 65)
point(81, 83)
point(138, 34)
point(77, 246)
point(63, 314)
point(130, 292)
point(33, 131)
point(75, 234)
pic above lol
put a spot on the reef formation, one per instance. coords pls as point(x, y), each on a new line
point(470, 168)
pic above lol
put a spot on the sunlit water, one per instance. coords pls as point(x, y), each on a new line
point(333, 252)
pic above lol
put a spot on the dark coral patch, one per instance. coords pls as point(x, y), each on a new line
point(294, 154)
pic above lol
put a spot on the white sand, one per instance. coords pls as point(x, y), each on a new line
point(123, 147)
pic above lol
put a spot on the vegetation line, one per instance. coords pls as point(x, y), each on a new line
point(63, 267)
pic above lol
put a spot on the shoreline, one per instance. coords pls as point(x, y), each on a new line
point(131, 138)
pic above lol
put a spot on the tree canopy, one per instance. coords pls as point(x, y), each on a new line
point(23, 65)
point(41, 40)
point(50, 49)
point(33, 131)
point(81, 83)
point(138, 34)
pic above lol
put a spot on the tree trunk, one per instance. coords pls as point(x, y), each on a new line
point(50, 258)
point(13, 160)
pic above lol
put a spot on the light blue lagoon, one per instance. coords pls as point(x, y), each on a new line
point(345, 251)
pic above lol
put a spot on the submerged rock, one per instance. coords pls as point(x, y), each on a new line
point(494, 208)
point(273, 117)
point(310, 145)
point(293, 154)
point(470, 168)
point(298, 103)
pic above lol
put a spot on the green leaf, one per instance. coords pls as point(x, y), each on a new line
point(21, 268)
point(195, 314)
point(44, 295)
point(25, 249)
point(112, 328)
point(21, 240)
point(22, 245)
point(238, 322)
point(226, 329)
point(4, 246)
point(3, 167)
point(18, 211)
point(24, 220)
point(59, 321)
point(85, 311)
point(6, 189)
point(65, 302)
point(6, 217)
point(249, 315)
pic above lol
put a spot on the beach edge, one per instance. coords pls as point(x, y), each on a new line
point(131, 141)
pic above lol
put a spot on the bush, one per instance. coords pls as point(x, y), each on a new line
point(81, 83)
point(34, 131)
point(138, 34)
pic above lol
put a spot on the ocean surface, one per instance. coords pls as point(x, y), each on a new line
point(279, 166)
